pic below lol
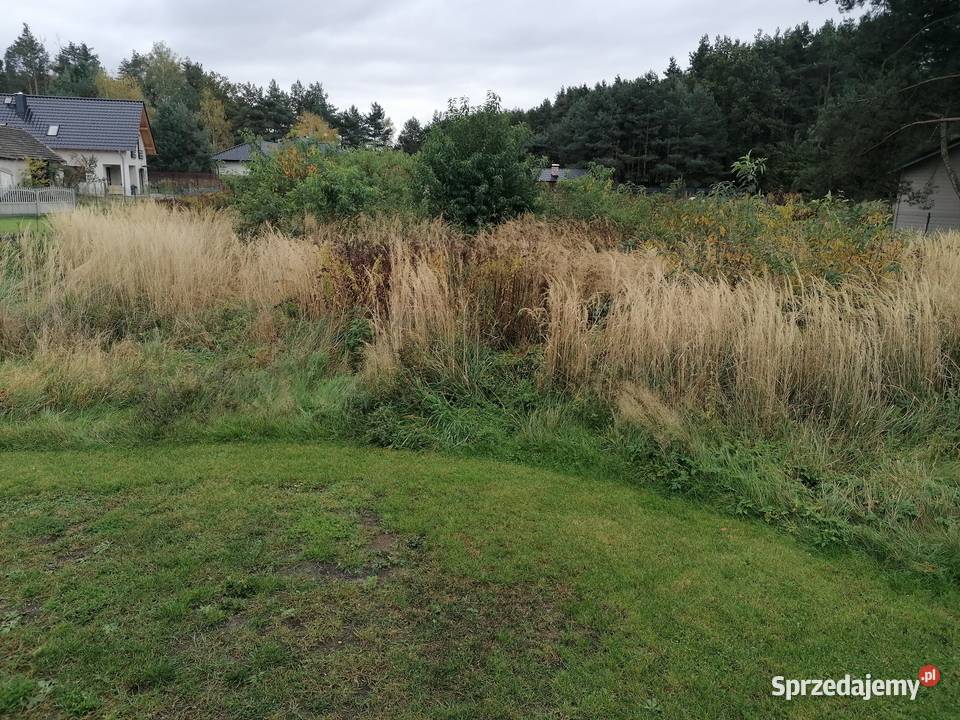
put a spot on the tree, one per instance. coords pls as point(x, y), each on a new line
point(475, 169)
point(249, 111)
point(313, 127)
point(38, 173)
point(182, 143)
point(312, 99)
point(119, 88)
point(164, 79)
point(133, 67)
point(353, 128)
point(277, 112)
point(411, 136)
point(26, 64)
point(213, 118)
point(379, 128)
point(75, 70)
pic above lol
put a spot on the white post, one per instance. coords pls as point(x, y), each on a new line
point(124, 180)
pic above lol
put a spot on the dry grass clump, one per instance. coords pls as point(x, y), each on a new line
point(147, 263)
point(757, 348)
point(79, 374)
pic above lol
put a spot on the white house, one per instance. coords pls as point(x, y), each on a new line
point(17, 148)
point(927, 200)
point(236, 160)
point(110, 139)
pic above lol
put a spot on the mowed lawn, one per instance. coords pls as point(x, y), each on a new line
point(314, 581)
point(10, 225)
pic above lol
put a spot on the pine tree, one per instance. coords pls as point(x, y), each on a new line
point(411, 136)
point(277, 112)
point(312, 99)
point(182, 143)
point(75, 71)
point(27, 64)
point(353, 128)
point(379, 127)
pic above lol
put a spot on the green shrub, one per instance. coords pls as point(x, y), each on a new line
point(309, 181)
point(736, 236)
point(474, 167)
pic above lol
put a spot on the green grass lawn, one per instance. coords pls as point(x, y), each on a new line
point(10, 225)
point(312, 581)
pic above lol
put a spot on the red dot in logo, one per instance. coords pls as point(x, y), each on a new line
point(929, 675)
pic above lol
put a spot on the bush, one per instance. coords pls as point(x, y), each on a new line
point(735, 237)
point(306, 181)
point(474, 167)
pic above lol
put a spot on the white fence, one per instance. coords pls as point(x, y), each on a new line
point(36, 201)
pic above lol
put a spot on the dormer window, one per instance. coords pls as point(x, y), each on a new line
point(53, 130)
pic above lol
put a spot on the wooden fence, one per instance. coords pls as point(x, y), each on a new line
point(184, 183)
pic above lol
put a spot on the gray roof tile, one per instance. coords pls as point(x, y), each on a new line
point(17, 144)
point(243, 151)
point(84, 123)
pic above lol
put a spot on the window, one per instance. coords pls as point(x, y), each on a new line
point(53, 130)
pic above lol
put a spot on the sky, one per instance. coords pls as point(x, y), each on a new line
point(410, 55)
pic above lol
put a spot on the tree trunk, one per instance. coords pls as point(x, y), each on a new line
point(945, 154)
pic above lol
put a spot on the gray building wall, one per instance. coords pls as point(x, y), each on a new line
point(941, 209)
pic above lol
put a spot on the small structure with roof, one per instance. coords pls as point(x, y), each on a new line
point(927, 200)
point(17, 149)
point(555, 174)
point(236, 160)
point(109, 140)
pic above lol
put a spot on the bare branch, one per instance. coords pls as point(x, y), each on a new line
point(945, 156)
point(900, 129)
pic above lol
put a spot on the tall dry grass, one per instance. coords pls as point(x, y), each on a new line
point(756, 349)
point(147, 263)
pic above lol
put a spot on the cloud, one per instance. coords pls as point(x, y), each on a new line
point(411, 55)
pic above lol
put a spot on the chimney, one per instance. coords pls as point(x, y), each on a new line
point(555, 171)
point(20, 105)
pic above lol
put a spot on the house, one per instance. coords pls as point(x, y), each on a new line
point(236, 160)
point(17, 148)
point(108, 140)
point(555, 173)
point(927, 200)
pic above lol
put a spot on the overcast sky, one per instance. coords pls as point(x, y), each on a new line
point(410, 55)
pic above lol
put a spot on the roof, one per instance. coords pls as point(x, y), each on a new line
point(82, 123)
point(243, 151)
point(936, 153)
point(546, 175)
point(17, 144)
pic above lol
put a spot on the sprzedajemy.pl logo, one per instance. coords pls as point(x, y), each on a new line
point(866, 688)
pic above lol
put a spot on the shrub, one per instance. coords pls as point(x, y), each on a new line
point(736, 237)
point(307, 181)
point(474, 166)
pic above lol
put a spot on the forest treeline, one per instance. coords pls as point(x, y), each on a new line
point(833, 109)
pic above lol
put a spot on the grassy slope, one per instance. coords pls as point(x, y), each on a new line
point(283, 580)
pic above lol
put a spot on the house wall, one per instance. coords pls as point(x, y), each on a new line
point(125, 170)
point(941, 209)
point(232, 167)
point(11, 172)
